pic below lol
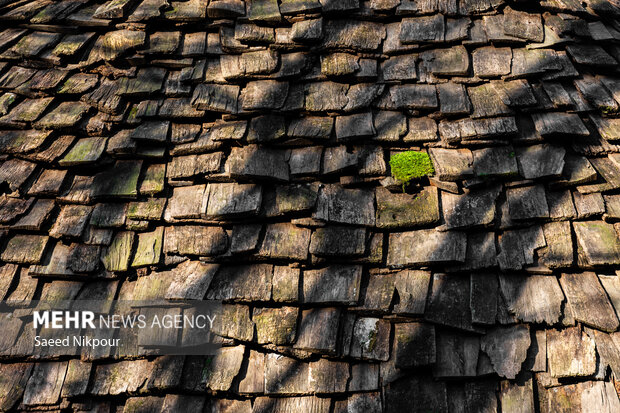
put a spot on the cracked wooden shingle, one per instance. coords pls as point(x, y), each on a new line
point(258, 162)
point(325, 96)
point(351, 34)
point(318, 330)
point(183, 167)
point(275, 325)
point(422, 29)
point(264, 95)
point(84, 151)
point(195, 240)
point(347, 206)
point(148, 249)
point(333, 284)
point(117, 255)
point(403, 211)
point(218, 98)
point(402, 67)
point(71, 221)
point(121, 377)
point(524, 294)
point(260, 62)
point(588, 301)
point(28, 110)
point(597, 243)
point(285, 241)
point(267, 128)
point(412, 248)
point(229, 200)
point(242, 283)
point(475, 208)
point(307, 31)
point(449, 302)
point(118, 181)
point(570, 353)
point(191, 280)
point(25, 249)
point(507, 348)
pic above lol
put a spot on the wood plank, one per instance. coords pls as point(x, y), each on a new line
point(570, 353)
point(45, 384)
point(507, 348)
point(533, 298)
point(588, 301)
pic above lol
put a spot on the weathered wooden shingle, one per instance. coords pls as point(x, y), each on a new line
point(71, 221)
point(148, 248)
point(553, 124)
point(238, 152)
point(489, 61)
point(595, 394)
point(121, 377)
point(507, 348)
point(218, 98)
point(449, 301)
point(357, 35)
point(402, 211)
point(318, 330)
point(540, 161)
point(338, 241)
point(334, 284)
point(25, 249)
point(414, 344)
point(457, 355)
point(588, 302)
point(415, 393)
point(597, 243)
point(16, 376)
point(452, 164)
point(275, 325)
point(285, 241)
point(347, 206)
point(195, 240)
point(223, 368)
point(15, 172)
point(258, 162)
point(571, 353)
point(527, 203)
point(116, 256)
point(424, 247)
point(45, 384)
point(532, 299)
point(118, 181)
point(231, 200)
point(422, 29)
point(66, 115)
point(246, 283)
point(475, 208)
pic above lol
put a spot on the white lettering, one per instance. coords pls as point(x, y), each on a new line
point(87, 319)
point(41, 318)
point(57, 319)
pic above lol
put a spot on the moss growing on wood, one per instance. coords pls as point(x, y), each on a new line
point(410, 165)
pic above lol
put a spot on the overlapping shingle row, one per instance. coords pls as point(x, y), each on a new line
point(238, 151)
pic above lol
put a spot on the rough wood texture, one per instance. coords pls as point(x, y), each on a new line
point(571, 353)
point(242, 152)
point(533, 299)
point(588, 301)
point(507, 349)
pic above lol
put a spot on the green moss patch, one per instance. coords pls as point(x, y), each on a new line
point(410, 165)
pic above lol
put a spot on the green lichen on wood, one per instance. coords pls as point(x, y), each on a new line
point(608, 110)
point(86, 150)
point(410, 165)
